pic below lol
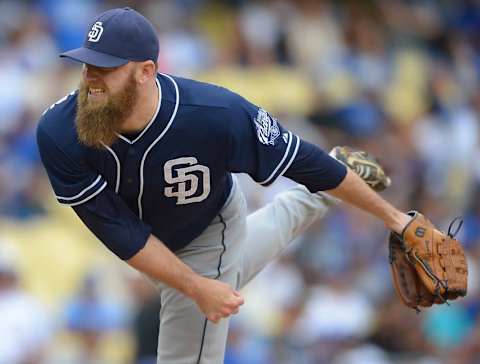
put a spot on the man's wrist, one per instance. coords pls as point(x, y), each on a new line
point(191, 285)
point(398, 222)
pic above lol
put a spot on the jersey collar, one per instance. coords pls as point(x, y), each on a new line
point(139, 136)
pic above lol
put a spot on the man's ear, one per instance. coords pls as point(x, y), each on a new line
point(146, 71)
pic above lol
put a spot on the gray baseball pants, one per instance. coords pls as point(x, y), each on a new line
point(234, 248)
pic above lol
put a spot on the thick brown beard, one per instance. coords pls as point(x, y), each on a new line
point(98, 123)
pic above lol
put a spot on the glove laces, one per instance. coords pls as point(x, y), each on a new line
point(449, 233)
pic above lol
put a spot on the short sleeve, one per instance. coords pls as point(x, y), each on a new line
point(73, 182)
point(259, 145)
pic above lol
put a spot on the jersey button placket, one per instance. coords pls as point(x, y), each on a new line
point(131, 153)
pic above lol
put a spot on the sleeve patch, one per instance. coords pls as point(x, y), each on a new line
point(267, 127)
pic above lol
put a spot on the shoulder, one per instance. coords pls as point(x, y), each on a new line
point(214, 104)
point(201, 94)
point(58, 120)
point(56, 127)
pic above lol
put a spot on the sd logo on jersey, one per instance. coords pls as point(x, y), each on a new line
point(182, 173)
point(267, 128)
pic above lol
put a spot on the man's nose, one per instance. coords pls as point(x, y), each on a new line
point(90, 73)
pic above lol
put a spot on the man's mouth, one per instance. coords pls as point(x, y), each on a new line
point(95, 92)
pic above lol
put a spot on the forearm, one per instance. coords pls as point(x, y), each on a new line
point(356, 192)
point(216, 299)
point(158, 262)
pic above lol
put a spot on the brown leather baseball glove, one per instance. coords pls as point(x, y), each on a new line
point(428, 266)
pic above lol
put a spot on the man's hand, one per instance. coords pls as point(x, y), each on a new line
point(216, 299)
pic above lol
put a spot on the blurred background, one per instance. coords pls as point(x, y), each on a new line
point(399, 79)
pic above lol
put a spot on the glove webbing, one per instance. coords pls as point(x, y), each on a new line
point(438, 282)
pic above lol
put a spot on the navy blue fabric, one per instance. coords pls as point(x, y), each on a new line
point(315, 169)
point(175, 176)
point(64, 157)
point(91, 57)
point(114, 224)
point(264, 158)
point(115, 37)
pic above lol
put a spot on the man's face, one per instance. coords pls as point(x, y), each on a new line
point(106, 99)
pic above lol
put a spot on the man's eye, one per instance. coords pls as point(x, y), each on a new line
point(106, 70)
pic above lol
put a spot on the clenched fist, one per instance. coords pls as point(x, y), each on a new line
point(216, 299)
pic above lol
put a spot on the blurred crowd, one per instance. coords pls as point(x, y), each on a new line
point(397, 78)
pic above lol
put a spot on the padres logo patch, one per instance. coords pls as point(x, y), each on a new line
point(267, 128)
point(96, 32)
point(188, 178)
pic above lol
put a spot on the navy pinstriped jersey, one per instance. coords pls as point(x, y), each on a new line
point(174, 176)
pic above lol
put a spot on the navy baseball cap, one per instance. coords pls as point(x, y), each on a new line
point(116, 37)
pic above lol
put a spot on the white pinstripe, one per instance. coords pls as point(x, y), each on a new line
point(177, 101)
point(81, 192)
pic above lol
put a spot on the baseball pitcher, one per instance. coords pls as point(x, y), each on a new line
point(145, 160)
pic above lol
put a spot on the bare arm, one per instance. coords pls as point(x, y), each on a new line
point(157, 261)
point(216, 299)
point(356, 192)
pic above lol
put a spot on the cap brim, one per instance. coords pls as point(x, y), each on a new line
point(89, 56)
